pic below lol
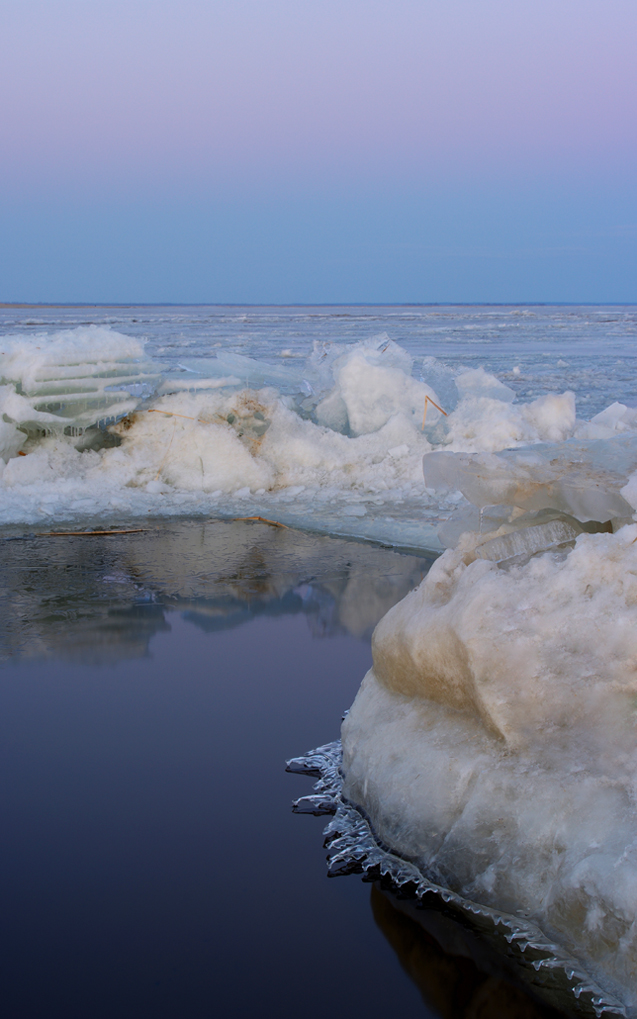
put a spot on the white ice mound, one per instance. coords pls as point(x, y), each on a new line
point(373, 383)
point(224, 441)
point(486, 420)
point(494, 742)
point(72, 379)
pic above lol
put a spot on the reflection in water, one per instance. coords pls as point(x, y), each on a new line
point(456, 975)
point(101, 599)
point(113, 894)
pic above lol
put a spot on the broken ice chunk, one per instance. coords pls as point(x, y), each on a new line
point(478, 384)
point(580, 478)
point(11, 440)
point(479, 521)
point(74, 379)
point(373, 383)
point(613, 420)
point(250, 372)
point(629, 491)
point(332, 412)
point(526, 541)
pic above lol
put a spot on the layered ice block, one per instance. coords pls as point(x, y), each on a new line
point(77, 379)
point(531, 498)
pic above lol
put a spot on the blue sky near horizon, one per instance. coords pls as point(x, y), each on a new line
point(281, 151)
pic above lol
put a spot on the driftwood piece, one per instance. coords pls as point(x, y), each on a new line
point(86, 534)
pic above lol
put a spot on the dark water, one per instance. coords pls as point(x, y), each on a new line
point(152, 686)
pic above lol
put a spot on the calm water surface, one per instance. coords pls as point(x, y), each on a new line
point(152, 686)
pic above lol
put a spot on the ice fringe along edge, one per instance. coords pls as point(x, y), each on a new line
point(354, 849)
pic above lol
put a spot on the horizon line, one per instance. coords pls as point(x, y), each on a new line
point(318, 304)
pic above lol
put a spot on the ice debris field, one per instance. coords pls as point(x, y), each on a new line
point(494, 740)
point(92, 427)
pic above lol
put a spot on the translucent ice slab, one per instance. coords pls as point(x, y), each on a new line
point(73, 380)
point(537, 497)
point(236, 369)
point(582, 478)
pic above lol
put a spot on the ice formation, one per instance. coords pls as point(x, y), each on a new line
point(334, 442)
point(582, 478)
point(69, 382)
point(494, 741)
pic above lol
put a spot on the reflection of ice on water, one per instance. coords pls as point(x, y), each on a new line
point(510, 946)
point(100, 599)
point(457, 975)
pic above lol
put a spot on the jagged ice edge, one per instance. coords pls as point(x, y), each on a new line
point(354, 848)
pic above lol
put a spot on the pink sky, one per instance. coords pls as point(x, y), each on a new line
point(306, 87)
point(318, 150)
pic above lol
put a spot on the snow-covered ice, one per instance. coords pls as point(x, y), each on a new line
point(91, 426)
point(494, 741)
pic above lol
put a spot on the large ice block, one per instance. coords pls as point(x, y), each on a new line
point(578, 477)
point(494, 742)
point(372, 384)
point(73, 380)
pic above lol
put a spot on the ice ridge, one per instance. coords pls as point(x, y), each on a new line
point(90, 427)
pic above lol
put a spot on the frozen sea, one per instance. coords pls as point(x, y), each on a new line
point(331, 435)
point(153, 683)
point(589, 349)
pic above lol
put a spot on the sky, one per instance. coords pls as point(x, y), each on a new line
point(318, 151)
